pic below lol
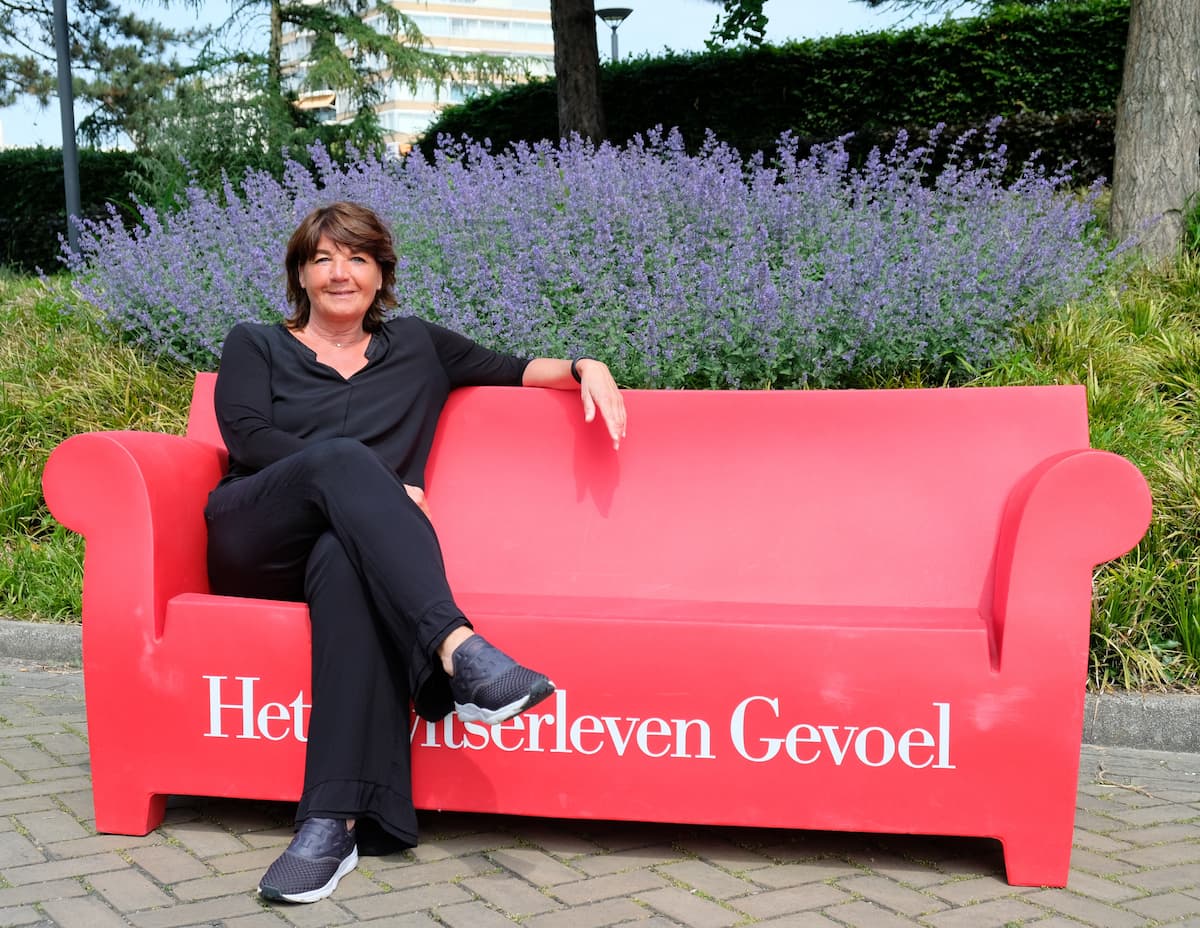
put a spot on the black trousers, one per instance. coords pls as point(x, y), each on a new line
point(333, 526)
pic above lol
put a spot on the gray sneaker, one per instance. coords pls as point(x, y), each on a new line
point(489, 686)
point(322, 852)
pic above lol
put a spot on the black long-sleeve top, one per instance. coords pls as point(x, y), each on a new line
point(273, 396)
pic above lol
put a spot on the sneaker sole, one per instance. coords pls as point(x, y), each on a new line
point(469, 712)
point(313, 895)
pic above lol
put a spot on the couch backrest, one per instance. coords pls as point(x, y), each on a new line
point(840, 497)
point(202, 417)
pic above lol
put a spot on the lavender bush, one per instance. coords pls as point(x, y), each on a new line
point(679, 270)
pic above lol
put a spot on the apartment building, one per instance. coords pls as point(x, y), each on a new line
point(513, 28)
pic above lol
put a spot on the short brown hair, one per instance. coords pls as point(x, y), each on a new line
point(352, 226)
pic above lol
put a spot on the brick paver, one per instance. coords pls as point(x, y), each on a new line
point(1136, 861)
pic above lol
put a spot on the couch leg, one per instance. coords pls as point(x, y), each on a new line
point(127, 812)
point(1037, 858)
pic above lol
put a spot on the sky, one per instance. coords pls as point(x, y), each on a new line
point(654, 25)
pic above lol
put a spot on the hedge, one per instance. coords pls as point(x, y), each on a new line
point(33, 209)
point(1053, 71)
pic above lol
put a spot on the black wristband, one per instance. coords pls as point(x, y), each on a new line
point(575, 368)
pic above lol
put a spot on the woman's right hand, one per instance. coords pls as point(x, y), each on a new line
point(417, 495)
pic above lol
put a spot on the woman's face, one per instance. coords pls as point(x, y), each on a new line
point(341, 283)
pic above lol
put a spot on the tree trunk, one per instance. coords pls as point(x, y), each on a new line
point(577, 68)
point(274, 53)
point(1156, 172)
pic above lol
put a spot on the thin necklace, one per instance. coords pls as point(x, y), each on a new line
point(336, 344)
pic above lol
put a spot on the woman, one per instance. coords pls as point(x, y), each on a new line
point(329, 418)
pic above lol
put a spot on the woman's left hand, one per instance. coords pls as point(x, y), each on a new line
point(599, 391)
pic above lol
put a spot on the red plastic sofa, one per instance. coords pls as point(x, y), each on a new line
point(845, 610)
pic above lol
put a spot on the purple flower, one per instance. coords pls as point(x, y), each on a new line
point(680, 270)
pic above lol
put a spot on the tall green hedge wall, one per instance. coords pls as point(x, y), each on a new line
point(1055, 69)
point(33, 207)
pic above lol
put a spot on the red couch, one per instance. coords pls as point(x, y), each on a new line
point(845, 610)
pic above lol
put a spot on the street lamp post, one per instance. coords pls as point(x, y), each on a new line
point(613, 16)
point(66, 105)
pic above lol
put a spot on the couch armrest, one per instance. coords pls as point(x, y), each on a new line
point(138, 498)
point(1070, 513)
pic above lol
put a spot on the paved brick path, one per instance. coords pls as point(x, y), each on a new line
point(1136, 861)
